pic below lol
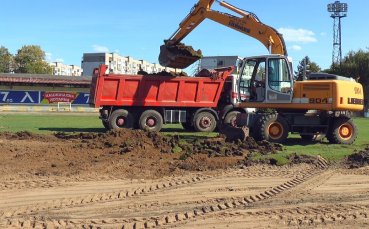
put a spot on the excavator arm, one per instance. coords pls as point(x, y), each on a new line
point(177, 55)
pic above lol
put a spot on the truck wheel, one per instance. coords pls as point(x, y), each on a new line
point(205, 122)
point(121, 119)
point(106, 125)
point(230, 118)
point(343, 131)
point(272, 128)
point(151, 120)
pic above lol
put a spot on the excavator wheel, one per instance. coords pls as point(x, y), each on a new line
point(121, 119)
point(272, 128)
point(343, 131)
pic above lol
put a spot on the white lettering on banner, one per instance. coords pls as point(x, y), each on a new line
point(27, 96)
point(5, 93)
point(88, 97)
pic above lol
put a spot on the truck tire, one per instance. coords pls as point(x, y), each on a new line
point(230, 118)
point(205, 122)
point(150, 120)
point(272, 128)
point(343, 131)
point(121, 119)
point(106, 125)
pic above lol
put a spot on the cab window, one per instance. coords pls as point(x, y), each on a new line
point(278, 75)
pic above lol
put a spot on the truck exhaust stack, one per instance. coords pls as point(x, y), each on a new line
point(178, 55)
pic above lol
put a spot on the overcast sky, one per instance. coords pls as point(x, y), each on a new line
point(67, 29)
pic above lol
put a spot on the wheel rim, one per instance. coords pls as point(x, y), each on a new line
point(345, 131)
point(275, 130)
point(121, 121)
point(205, 122)
point(151, 122)
point(233, 121)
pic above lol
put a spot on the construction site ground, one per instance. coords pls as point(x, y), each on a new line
point(134, 179)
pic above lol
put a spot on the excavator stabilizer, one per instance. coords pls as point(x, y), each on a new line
point(178, 55)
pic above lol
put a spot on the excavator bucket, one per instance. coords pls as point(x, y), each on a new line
point(178, 55)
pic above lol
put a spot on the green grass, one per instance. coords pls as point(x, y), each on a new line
point(48, 123)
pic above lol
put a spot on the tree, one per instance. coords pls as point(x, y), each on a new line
point(306, 65)
point(31, 59)
point(355, 65)
point(6, 60)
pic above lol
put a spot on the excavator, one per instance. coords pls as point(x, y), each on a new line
point(176, 55)
point(320, 105)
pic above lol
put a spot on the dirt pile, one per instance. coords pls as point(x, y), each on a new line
point(308, 159)
point(118, 153)
point(358, 159)
point(162, 73)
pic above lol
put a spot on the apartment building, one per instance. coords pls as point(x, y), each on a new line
point(61, 69)
point(118, 64)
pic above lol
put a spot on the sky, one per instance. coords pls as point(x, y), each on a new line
point(67, 29)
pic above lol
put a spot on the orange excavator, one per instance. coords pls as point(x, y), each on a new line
point(176, 55)
point(320, 105)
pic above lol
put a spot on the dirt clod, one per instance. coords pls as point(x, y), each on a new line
point(358, 159)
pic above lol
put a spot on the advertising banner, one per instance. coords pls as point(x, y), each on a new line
point(43, 97)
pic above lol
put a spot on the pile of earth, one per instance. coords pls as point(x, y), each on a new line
point(358, 159)
point(127, 140)
point(162, 73)
point(193, 154)
point(119, 153)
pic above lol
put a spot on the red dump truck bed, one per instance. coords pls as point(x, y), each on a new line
point(156, 91)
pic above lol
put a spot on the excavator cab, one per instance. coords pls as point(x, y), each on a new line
point(266, 79)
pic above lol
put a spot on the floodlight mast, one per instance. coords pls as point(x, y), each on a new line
point(338, 10)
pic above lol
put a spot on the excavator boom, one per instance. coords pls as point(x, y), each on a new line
point(177, 55)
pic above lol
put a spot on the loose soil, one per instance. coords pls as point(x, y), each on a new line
point(138, 179)
point(119, 153)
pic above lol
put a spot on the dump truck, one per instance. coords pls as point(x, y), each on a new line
point(320, 105)
point(149, 101)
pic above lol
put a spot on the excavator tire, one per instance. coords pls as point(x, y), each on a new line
point(272, 128)
point(343, 131)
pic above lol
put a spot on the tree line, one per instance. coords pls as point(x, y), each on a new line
point(28, 59)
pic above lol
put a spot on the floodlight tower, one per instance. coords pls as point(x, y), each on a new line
point(338, 10)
